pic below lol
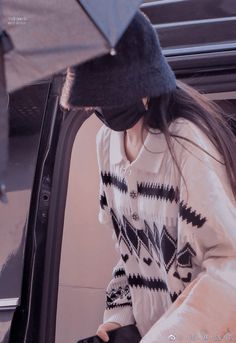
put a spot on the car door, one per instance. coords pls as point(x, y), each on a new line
point(26, 108)
point(200, 44)
point(30, 270)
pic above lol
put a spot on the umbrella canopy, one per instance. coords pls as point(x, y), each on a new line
point(48, 36)
point(111, 17)
point(40, 38)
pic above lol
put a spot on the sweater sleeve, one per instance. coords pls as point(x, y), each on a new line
point(206, 309)
point(118, 297)
point(102, 148)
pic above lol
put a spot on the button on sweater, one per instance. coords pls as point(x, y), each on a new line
point(176, 235)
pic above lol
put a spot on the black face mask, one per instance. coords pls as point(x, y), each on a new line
point(121, 118)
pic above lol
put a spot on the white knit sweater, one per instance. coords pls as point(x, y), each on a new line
point(176, 278)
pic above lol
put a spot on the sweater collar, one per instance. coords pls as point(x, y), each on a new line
point(147, 159)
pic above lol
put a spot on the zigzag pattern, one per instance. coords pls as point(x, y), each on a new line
point(103, 200)
point(119, 273)
point(111, 306)
point(190, 215)
point(134, 239)
point(153, 190)
point(119, 231)
point(111, 179)
point(150, 283)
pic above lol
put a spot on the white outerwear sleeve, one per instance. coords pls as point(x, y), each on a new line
point(206, 309)
point(118, 298)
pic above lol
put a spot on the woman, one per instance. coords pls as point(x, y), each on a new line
point(168, 190)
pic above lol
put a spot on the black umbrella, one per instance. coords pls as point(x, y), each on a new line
point(43, 37)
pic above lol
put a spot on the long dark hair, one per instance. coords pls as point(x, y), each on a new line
point(186, 102)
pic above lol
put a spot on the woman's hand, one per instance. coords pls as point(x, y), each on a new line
point(104, 328)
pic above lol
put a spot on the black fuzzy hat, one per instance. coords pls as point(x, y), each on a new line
point(138, 69)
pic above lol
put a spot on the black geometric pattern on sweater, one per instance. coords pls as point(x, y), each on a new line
point(188, 278)
point(134, 239)
point(119, 231)
point(174, 296)
point(190, 215)
point(120, 294)
point(148, 260)
point(119, 273)
point(168, 248)
point(125, 257)
point(150, 283)
point(103, 200)
point(111, 306)
point(111, 179)
point(184, 256)
point(153, 190)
